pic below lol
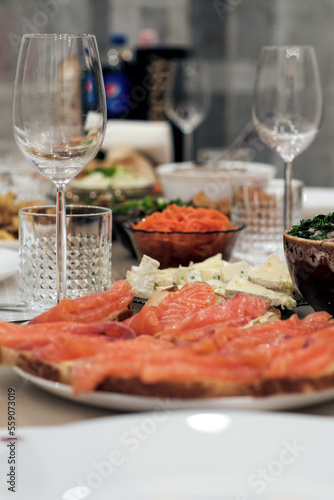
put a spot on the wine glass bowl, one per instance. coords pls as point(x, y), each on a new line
point(287, 105)
point(287, 136)
point(59, 120)
point(187, 98)
point(59, 114)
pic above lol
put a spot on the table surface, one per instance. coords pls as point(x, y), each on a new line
point(36, 407)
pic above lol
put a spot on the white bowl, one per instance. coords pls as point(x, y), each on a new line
point(317, 200)
point(185, 180)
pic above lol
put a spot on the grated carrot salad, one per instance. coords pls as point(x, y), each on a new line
point(185, 219)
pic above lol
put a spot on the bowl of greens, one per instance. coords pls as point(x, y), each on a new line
point(309, 253)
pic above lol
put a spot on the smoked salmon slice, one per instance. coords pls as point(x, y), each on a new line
point(90, 308)
point(238, 311)
point(167, 365)
point(286, 348)
point(75, 347)
point(172, 309)
point(315, 356)
point(264, 334)
point(26, 337)
point(62, 348)
point(186, 341)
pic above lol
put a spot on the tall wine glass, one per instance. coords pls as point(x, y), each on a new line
point(287, 106)
point(59, 115)
point(187, 98)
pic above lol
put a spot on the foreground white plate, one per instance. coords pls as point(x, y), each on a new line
point(9, 263)
point(179, 456)
point(140, 403)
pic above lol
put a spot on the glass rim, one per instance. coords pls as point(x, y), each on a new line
point(60, 36)
point(92, 211)
point(186, 233)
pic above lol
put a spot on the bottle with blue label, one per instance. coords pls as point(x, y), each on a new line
point(118, 78)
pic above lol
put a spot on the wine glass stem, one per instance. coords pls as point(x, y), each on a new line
point(287, 195)
point(188, 146)
point(61, 242)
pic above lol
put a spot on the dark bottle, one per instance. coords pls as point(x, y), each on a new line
point(118, 78)
point(152, 76)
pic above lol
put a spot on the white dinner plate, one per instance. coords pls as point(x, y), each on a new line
point(9, 263)
point(180, 456)
point(9, 244)
point(126, 402)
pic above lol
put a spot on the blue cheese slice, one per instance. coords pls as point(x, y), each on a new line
point(240, 268)
point(210, 262)
point(218, 286)
point(276, 299)
point(194, 274)
point(211, 272)
point(167, 277)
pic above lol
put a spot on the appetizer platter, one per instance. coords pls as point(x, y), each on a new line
point(211, 334)
point(189, 346)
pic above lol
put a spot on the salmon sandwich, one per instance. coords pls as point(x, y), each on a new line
point(184, 344)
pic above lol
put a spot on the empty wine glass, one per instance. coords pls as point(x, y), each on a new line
point(59, 115)
point(187, 98)
point(287, 106)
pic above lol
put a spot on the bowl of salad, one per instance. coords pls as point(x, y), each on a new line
point(182, 234)
point(113, 177)
point(309, 253)
point(134, 209)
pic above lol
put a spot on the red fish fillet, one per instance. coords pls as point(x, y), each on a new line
point(26, 337)
point(173, 308)
point(90, 308)
point(235, 312)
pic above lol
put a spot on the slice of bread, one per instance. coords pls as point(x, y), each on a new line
point(121, 314)
point(56, 372)
point(206, 388)
point(200, 388)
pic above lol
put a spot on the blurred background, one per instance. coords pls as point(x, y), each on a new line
point(227, 34)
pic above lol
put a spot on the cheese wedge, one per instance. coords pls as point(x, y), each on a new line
point(277, 299)
point(272, 274)
point(142, 278)
point(240, 268)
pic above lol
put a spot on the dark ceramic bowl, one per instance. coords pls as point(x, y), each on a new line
point(176, 248)
point(311, 266)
